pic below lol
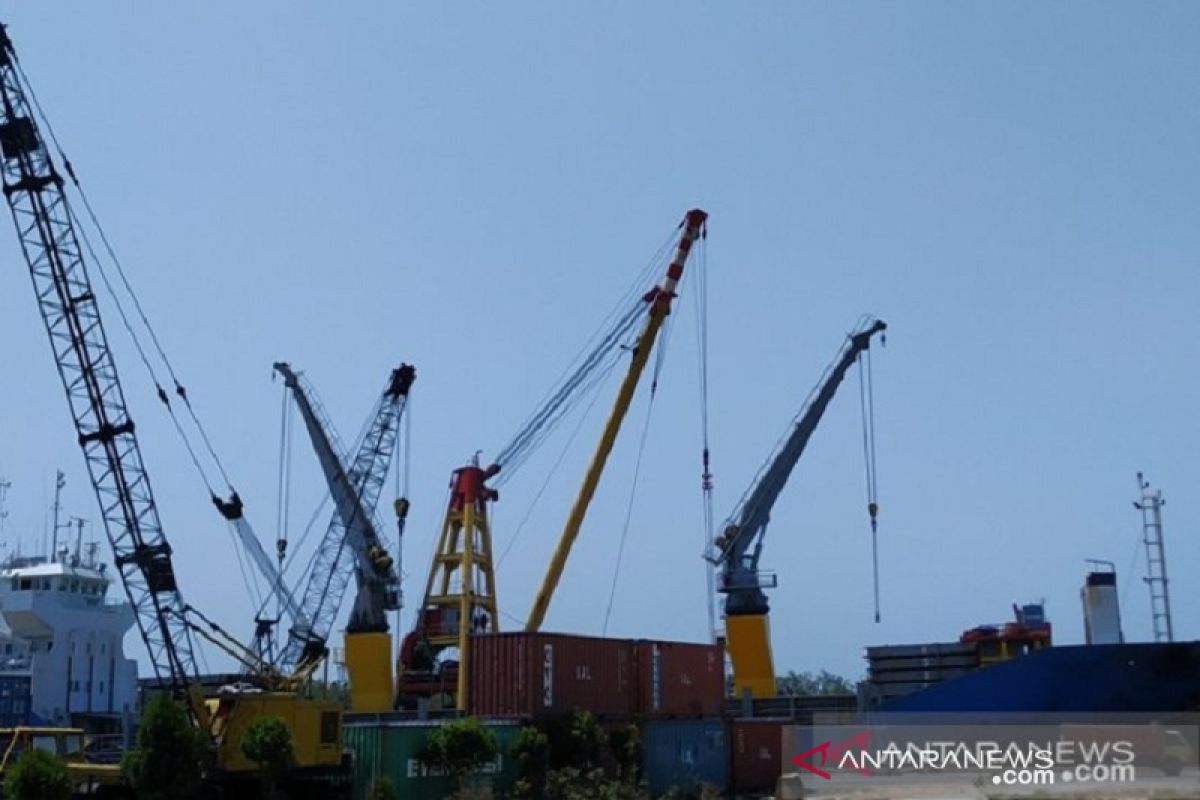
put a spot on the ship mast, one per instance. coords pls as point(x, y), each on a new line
point(1150, 505)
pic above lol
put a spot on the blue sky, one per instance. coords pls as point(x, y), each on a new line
point(1012, 187)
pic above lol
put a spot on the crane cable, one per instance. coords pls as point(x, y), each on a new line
point(179, 388)
point(550, 473)
point(700, 302)
point(592, 363)
point(866, 395)
point(283, 498)
point(660, 358)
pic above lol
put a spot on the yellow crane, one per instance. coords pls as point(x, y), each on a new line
point(460, 592)
point(659, 300)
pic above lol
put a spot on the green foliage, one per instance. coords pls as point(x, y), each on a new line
point(625, 747)
point(570, 783)
point(809, 683)
point(38, 775)
point(576, 740)
point(459, 749)
point(577, 759)
point(530, 750)
point(268, 743)
point(382, 788)
point(167, 763)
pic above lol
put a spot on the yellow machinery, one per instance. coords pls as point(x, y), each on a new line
point(660, 305)
point(737, 550)
point(105, 432)
point(71, 746)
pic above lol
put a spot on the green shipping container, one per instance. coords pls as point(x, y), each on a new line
point(390, 749)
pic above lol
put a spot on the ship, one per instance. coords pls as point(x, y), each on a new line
point(62, 659)
point(1014, 669)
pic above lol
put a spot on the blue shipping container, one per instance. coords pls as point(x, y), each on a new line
point(685, 753)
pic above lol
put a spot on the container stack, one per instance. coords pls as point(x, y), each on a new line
point(674, 691)
point(899, 670)
point(532, 676)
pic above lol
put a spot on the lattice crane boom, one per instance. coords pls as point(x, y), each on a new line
point(45, 226)
point(352, 544)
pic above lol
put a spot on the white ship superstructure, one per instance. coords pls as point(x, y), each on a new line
point(63, 631)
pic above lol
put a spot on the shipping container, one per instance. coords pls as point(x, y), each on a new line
point(684, 753)
point(392, 750)
point(680, 679)
point(931, 649)
point(537, 675)
point(756, 754)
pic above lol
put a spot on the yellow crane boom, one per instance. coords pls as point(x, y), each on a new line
point(659, 299)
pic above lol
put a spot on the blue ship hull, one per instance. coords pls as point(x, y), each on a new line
point(1111, 678)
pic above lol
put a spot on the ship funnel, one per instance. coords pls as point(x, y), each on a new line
point(1101, 604)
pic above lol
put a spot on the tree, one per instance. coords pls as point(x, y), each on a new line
point(167, 763)
point(382, 788)
point(577, 760)
point(809, 683)
point(268, 743)
point(459, 749)
point(38, 775)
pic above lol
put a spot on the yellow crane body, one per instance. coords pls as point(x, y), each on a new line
point(369, 669)
point(748, 640)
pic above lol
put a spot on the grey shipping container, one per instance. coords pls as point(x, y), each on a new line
point(919, 650)
point(685, 753)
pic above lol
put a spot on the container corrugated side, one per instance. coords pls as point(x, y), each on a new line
point(756, 754)
point(544, 674)
point(684, 753)
point(365, 746)
point(393, 750)
point(680, 679)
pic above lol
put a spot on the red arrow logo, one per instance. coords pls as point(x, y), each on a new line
point(858, 740)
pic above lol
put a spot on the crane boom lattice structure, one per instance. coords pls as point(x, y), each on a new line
point(352, 544)
point(45, 225)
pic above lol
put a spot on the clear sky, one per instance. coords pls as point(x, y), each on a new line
point(469, 187)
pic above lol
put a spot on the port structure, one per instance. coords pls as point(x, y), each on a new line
point(58, 263)
point(1150, 504)
point(353, 545)
point(737, 550)
point(460, 594)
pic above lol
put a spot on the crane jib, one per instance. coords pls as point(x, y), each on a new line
point(740, 544)
point(52, 248)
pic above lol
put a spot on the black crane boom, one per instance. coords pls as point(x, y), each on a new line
point(45, 225)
